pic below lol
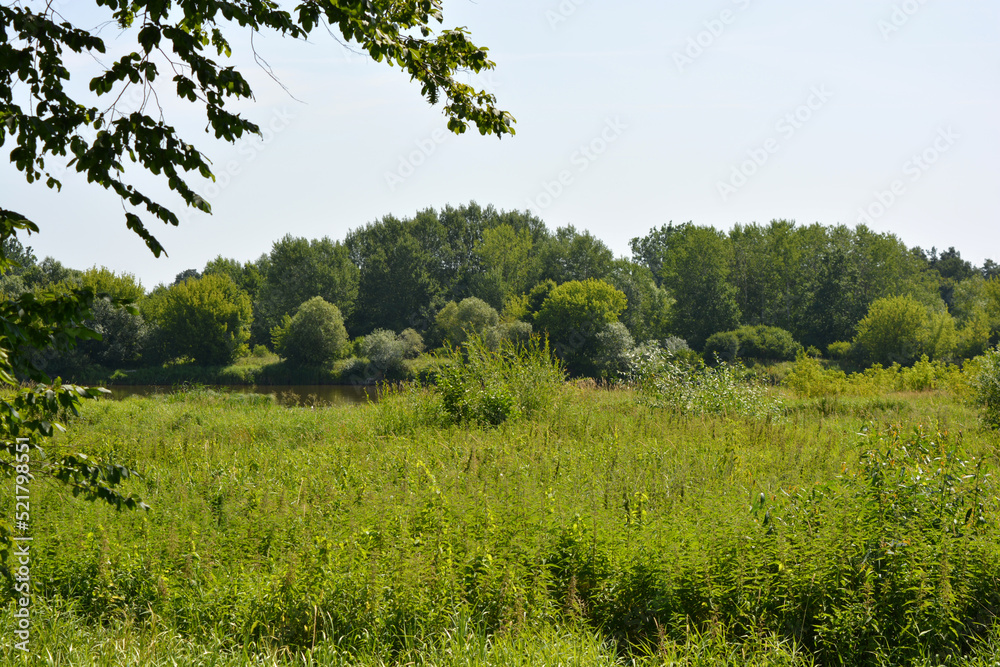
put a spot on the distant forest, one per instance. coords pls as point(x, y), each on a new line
point(421, 282)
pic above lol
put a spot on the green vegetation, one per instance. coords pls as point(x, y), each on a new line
point(598, 527)
point(984, 386)
point(206, 319)
point(759, 294)
point(760, 343)
point(487, 385)
point(316, 335)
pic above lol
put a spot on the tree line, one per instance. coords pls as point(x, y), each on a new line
point(396, 286)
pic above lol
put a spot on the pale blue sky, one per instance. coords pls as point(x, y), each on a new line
point(804, 111)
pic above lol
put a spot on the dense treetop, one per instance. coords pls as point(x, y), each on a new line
point(470, 268)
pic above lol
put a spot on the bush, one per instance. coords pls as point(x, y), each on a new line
point(516, 332)
point(207, 319)
point(722, 346)
point(809, 378)
point(695, 389)
point(471, 316)
point(841, 350)
point(984, 382)
point(573, 314)
point(479, 385)
point(760, 342)
point(314, 336)
point(386, 352)
point(614, 344)
point(899, 329)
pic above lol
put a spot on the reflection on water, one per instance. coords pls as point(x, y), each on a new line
point(293, 394)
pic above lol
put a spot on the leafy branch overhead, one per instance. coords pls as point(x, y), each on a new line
point(185, 41)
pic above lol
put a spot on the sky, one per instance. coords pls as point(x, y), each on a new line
point(629, 115)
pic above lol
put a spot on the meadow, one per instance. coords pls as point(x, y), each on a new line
point(605, 529)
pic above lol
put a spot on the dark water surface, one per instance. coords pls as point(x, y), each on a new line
point(294, 394)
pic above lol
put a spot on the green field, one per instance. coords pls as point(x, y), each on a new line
point(850, 530)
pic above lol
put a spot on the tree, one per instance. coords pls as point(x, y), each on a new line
point(647, 315)
point(388, 253)
point(315, 335)
point(206, 319)
point(53, 122)
point(571, 255)
point(504, 255)
point(297, 270)
point(573, 314)
point(650, 250)
point(456, 321)
point(248, 276)
point(899, 329)
point(124, 332)
point(696, 271)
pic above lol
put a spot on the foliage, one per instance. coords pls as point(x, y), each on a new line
point(488, 386)
point(899, 329)
point(122, 286)
point(507, 267)
point(455, 322)
point(516, 332)
point(984, 380)
point(614, 348)
point(315, 335)
point(386, 352)
point(124, 336)
point(760, 342)
point(248, 276)
point(684, 389)
point(811, 378)
point(569, 255)
point(297, 270)
point(30, 413)
point(840, 350)
point(207, 319)
point(695, 269)
point(54, 123)
point(648, 312)
point(722, 346)
point(573, 314)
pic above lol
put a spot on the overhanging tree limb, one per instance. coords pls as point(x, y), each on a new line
point(187, 38)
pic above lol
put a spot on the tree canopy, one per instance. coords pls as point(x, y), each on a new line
point(46, 117)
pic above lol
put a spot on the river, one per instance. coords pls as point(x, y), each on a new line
point(296, 394)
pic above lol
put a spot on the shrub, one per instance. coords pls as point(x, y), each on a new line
point(760, 342)
point(412, 342)
point(573, 314)
point(984, 382)
point(899, 329)
point(385, 352)
point(480, 385)
point(207, 319)
point(809, 378)
point(841, 350)
point(614, 343)
point(694, 389)
point(722, 346)
point(456, 321)
point(315, 335)
point(516, 332)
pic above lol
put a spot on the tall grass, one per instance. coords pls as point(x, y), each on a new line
point(595, 532)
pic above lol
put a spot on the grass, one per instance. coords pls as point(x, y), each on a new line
point(601, 531)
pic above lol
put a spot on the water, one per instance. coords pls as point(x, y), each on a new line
point(294, 394)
